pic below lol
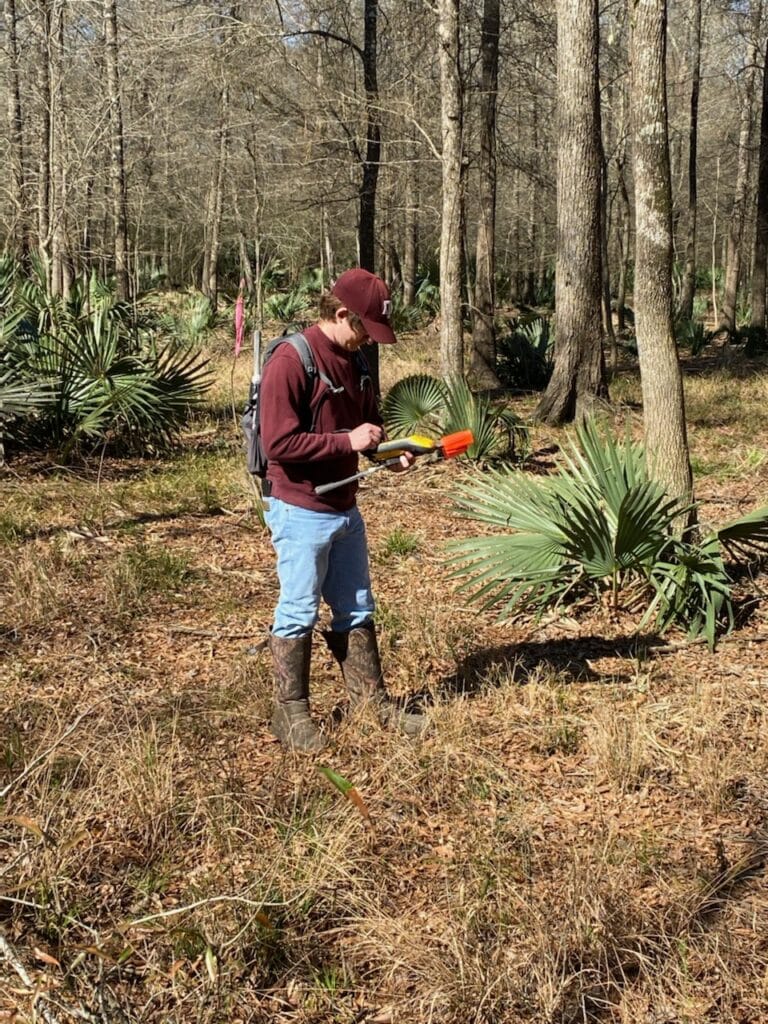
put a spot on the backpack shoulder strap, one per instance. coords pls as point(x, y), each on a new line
point(302, 347)
point(300, 344)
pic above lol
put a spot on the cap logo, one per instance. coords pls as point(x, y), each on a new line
point(386, 307)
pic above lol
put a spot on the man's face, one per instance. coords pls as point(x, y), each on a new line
point(354, 335)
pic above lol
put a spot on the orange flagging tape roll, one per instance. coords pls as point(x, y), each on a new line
point(456, 444)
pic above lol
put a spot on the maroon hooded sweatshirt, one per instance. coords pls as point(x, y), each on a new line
point(301, 457)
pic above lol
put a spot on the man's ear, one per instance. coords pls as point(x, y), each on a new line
point(342, 313)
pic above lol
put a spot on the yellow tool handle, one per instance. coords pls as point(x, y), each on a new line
point(415, 443)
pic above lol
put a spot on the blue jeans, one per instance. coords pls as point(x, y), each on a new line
point(319, 554)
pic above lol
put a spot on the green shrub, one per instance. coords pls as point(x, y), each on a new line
point(693, 334)
point(525, 355)
point(425, 404)
point(92, 369)
point(601, 525)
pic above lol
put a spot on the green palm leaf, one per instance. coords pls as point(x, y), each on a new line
point(412, 404)
point(746, 538)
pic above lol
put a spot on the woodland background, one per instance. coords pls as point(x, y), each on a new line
point(187, 144)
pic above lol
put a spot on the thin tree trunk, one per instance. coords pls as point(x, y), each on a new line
point(605, 228)
point(484, 306)
point(689, 275)
point(661, 380)
point(578, 375)
point(624, 239)
point(410, 230)
point(760, 262)
point(44, 152)
point(733, 259)
point(19, 230)
point(118, 189)
point(60, 271)
point(330, 256)
point(451, 340)
point(367, 226)
point(624, 229)
point(216, 206)
point(370, 177)
point(246, 269)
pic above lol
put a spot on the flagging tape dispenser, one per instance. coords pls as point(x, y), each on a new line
point(388, 453)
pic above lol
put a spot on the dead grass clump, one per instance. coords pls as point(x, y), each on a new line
point(621, 737)
point(554, 722)
point(38, 581)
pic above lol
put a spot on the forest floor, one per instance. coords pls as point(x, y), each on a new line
point(581, 836)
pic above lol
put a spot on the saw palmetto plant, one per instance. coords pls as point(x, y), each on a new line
point(424, 404)
point(91, 368)
point(601, 526)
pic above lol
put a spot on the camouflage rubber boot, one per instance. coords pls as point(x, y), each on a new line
point(357, 653)
point(291, 721)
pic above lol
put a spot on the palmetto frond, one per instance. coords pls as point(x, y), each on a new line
point(412, 404)
point(18, 397)
point(746, 538)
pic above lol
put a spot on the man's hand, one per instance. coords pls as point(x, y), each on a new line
point(365, 437)
point(406, 461)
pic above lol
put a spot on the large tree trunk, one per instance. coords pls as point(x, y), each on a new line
point(451, 340)
point(733, 259)
point(662, 385)
point(689, 274)
point(484, 308)
point(116, 152)
point(760, 263)
point(578, 376)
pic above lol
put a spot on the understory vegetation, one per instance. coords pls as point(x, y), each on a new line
point(87, 369)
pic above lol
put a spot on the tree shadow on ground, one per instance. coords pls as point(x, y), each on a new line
point(569, 659)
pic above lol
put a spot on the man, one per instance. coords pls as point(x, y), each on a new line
point(312, 434)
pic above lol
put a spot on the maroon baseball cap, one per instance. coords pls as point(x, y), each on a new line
point(368, 296)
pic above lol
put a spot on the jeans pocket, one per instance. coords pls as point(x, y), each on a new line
point(276, 517)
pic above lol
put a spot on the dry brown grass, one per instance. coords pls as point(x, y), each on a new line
point(580, 837)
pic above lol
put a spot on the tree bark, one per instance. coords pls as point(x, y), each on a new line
point(661, 380)
point(605, 228)
point(44, 151)
point(484, 307)
point(760, 262)
point(410, 230)
point(60, 271)
point(451, 117)
point(733, 258)
point(216, 206)
point(367, 225)
point(19, 230)
point(689, 274)
point(118, 189)
point(578, 376)
point(367, 230)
